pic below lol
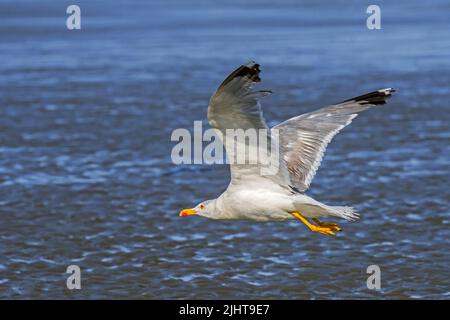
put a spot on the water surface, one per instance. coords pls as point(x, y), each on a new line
point(86, 176)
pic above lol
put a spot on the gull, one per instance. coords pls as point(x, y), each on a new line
point(302, 141)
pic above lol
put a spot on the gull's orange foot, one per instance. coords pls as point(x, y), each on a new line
point(328, 230)
point(333, 226)
point(323, 230)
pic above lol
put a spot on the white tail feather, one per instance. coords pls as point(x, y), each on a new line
point(348, 213)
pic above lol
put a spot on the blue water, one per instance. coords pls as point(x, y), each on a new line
point(86, 176)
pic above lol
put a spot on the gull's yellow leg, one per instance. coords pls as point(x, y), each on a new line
point(333, 226)
point(313, 228)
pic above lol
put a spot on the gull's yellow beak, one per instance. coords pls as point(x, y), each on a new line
point(187, 212)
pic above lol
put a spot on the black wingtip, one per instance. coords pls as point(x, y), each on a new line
point(378, 97)
point(250, 70)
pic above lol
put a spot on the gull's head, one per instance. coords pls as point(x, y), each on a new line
point(204, 208)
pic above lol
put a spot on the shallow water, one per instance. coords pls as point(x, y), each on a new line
point(86, 176)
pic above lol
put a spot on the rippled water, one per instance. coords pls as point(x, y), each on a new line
point(85, 170)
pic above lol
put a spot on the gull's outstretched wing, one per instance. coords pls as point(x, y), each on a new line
point(234, 105)
point(303, 139)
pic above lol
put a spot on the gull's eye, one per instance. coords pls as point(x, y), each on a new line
point(202, 206)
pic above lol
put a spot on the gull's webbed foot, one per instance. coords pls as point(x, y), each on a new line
point(322, 227)
point(333, 226)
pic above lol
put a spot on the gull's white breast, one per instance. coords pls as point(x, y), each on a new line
point(261, 200)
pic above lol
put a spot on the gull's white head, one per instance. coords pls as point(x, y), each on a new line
point(205, 208)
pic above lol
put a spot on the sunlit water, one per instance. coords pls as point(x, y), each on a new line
point(86, 176)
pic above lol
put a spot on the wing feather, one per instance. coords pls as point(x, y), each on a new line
point(303, 139)
point(235, 106)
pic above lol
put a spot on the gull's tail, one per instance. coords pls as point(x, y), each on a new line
point(348, 213)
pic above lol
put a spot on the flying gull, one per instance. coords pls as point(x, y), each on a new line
point(302, 141)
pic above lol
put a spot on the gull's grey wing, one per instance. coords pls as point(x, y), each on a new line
point(234, 105)
point(303, 139)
